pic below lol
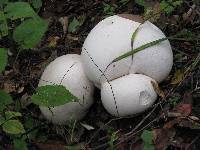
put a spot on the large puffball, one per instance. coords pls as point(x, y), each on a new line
point(128, 95)
point(111, 38)
point(155, 61)
point(67, 70)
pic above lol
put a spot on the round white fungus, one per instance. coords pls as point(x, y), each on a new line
point(111, 38)
point(128, 95)
point(67, 70)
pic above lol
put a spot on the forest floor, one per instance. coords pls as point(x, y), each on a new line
point(173, 121)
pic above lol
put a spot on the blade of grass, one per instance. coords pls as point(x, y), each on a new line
point(132, 52)
point(134, 35)
point(140, 48)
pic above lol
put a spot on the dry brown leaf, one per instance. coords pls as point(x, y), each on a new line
point(53, 40)
point(51, 145)
point(162, 138)
point(189, 124)
point(64, 21)
point(178, 77)
point(9, 86)
point(184, 109)
point(72, 38)
point(152, 13)
point(157, 89)
point(172, 123)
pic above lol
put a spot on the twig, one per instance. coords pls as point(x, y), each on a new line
point(142, 121)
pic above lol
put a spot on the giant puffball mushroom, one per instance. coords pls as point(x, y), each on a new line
point(111, 38)
point(128, 95)
point(67, 70)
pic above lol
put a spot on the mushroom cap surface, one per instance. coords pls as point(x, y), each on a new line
point(111, 38)
point(133, 94)
point(67, 70)
point(155, 61)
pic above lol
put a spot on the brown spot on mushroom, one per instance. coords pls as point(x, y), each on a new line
point(136, 18)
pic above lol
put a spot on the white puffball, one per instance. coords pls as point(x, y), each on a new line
point(111, 38)
point(67, 70)
point(133, 94)
point(155, 61)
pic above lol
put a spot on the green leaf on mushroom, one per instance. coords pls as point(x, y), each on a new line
point(53, 95)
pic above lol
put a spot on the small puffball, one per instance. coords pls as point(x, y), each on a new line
point(67, 70)
point(111, 38)
point(128, 95)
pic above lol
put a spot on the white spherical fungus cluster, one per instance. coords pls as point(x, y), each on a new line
point(68, 71)
point(125, 85)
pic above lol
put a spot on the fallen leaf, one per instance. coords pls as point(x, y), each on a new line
point(157, 89)
point(162, 138)
point(51, 145)
point(152, 13)
point(178, 77)
point(72, 38)
point(53, 40)
point(189, 124)
point(64, 21)
point(184, 109)
point(172, 123)
point(74, 25)
point(9, 86)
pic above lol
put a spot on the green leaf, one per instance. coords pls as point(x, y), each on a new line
point(139, 49)
point(20, 144)
point(3, 25)
point(17, 10)
point(52, 95)
point(148, 147)
point(12, 114)
point(169, 7)
point(140, 2)
point(30, 32)
point(147, 136)
point(2, 2)
point(74, 25)
point(13, 127)
point(3, 59)
point(37, 4)
point(5, 99)
point(2, 120)
point(71, 147)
